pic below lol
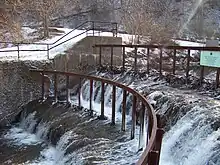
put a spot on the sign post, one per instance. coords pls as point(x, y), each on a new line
point(210, 59)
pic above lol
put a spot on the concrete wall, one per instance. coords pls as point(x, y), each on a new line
point(83, 58)
point(18, 86)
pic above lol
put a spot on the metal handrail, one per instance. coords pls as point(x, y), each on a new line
point(69, 39)
point(39, 43)
point(173, 48)
point(48, 48)
point(151, 153)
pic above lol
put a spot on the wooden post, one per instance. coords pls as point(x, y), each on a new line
point(100, 56)
point(42, 85)
point(159, 137)
point(133, 117)
point(217, 77)
point(102, 101)
point(18, 52)
point(141, 135)
point(67, 89)
point(113, 103)
point(161, 56)
point(93, 28)
point(124, 109)
point(135, 59)
point(149, 126)
point(201, 74)
point(123, 58)
point(79, 92)
point(90, 98)
point(148, 61)
point(55, 87)
point(111, 57)
point(187, 65)
point(174, 61)
point(153, 158)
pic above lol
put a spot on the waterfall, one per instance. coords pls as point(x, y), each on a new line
point(96, 100)
point(192, 140)
point(192, 136)
point(72, 142)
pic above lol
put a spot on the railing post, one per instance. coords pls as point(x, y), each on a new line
point(217, 77)
point(133, 117)
point(124, 109)
point(174, 61)
point(141, 134)
point(159, 137)
point(113, 103)
point(149, 126)
point(111, 57)
point(102, 101)
point(153, 158)
point(93, 28)
point(42, 85)
point(161, 58)
point(100, 56)
point(135, 59)
point(90, 97)
point(201, 74)
point(67, 89)
point(55, 87)
point(148, 60)
point(79, 93)
point(116, 29)
point(18, 52)
point(48, 52)
point(187, 65)
point(123, 58)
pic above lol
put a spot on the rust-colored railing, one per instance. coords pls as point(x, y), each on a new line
point(151, 153)
point(161, 48)
point(93, 26)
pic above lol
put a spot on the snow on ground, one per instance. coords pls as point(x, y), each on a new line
point(29, 54)
point(189, 43)
point(42, 55)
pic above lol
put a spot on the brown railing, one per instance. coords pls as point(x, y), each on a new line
point(93, 26)
point(151, 153)
point(161, 48)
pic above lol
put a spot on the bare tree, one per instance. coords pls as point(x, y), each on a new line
point(9, 26)
point(44, 10)
point(153, 19)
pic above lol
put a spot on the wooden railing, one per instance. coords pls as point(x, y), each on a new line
point(161, 48)
point(154, 134)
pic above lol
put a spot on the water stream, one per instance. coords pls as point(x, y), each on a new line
point(192, 129)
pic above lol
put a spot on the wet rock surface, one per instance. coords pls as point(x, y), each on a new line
point(170, 96)
point(17, 86)
point(84, 139)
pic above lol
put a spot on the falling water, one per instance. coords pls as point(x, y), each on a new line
point(31, 131)
point(193, 140)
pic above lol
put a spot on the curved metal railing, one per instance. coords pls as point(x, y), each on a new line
point(151, 153)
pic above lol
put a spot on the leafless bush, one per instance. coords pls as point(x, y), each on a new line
point(152, 19)
point(10, 29)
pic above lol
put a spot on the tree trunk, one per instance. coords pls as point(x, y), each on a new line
point(46, 26)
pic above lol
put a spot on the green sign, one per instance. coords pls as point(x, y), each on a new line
point(210, 58)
